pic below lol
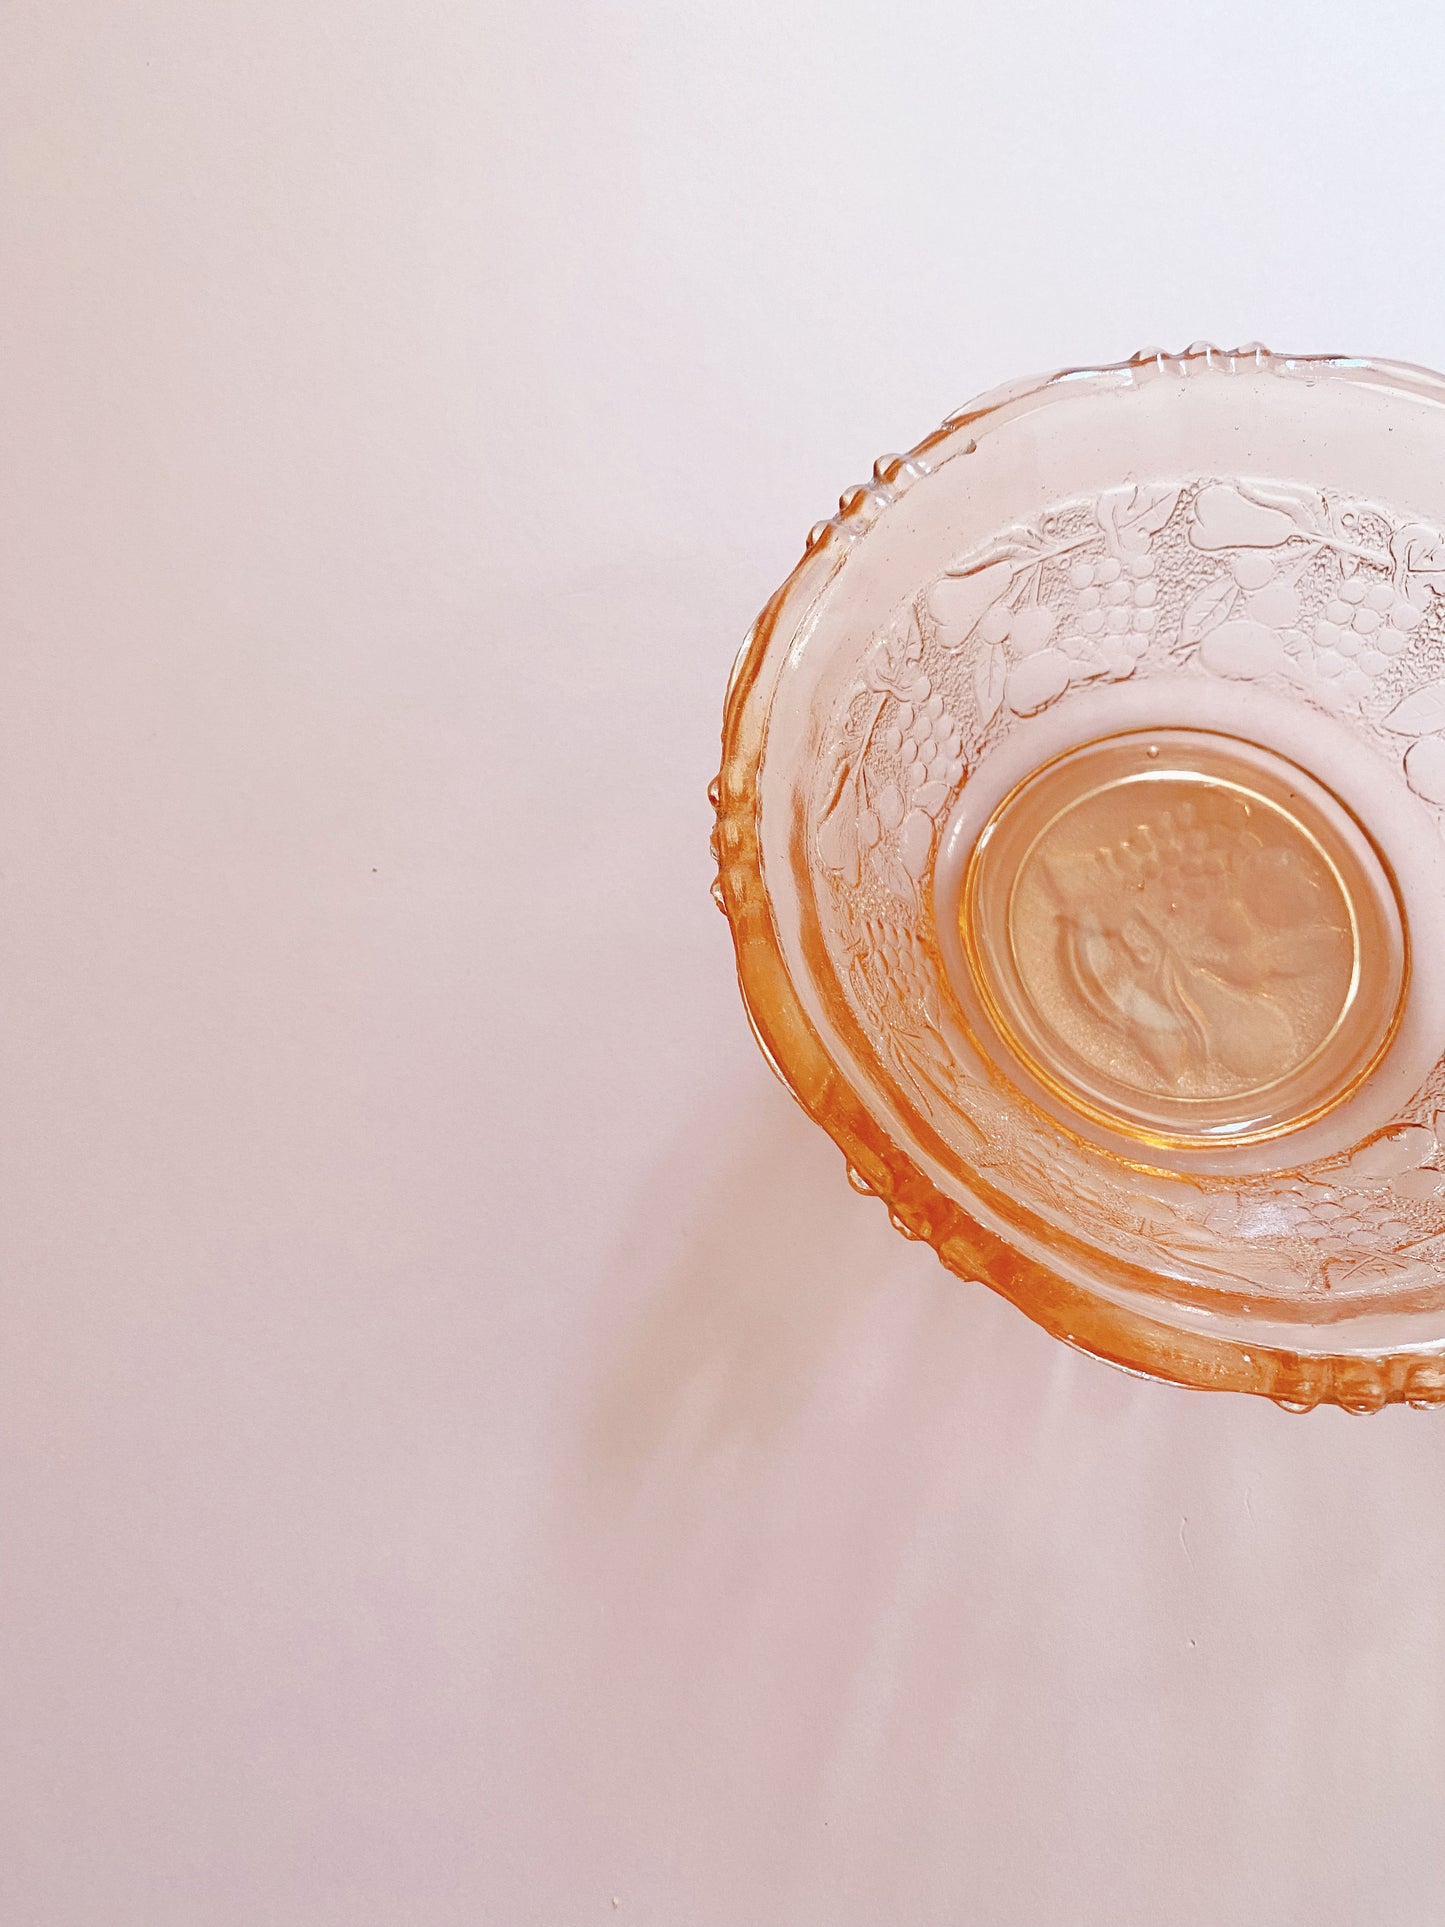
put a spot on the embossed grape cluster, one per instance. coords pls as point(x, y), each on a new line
point(896, 949)
point(928, 741)
point(1177, 846)
point(1364, 624)
point(1115, 604)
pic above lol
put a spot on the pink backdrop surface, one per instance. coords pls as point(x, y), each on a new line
point(466, 1456)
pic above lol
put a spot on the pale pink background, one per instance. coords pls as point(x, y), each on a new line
point(466, 1457)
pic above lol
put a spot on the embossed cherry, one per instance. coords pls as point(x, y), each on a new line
point(1252, 568)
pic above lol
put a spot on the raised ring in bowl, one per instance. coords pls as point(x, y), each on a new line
point(1185, 939)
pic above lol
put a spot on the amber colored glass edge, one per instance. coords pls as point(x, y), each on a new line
point(876, 1166)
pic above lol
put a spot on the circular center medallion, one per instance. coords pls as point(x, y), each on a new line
point(1184, 937)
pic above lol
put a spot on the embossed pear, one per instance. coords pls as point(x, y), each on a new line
point(838, 842)
point(1225, 519)
point(1242, 649)
point(957, 601)
point(1037, 680)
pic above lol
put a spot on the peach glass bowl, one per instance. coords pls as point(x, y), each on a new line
point(1081, 828)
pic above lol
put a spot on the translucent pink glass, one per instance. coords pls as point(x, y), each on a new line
point(1080, 828)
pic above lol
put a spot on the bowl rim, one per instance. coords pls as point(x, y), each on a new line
point(1145, 1347)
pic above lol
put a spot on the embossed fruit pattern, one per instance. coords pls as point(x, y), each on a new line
point(889, 817)
point(1338, 601)
point(1179, 938)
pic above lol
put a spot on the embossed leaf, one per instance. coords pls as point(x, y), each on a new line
point(842, 776)
point(1223, 518)
point(1421, 550)
point(1420, 1185)
point(895, 877)
point(1242, 649)
point(863, 988)
point(1037, 680)
point(915, 840)
point(884, 669)
point(930, 1045)
point(957, 601)
point(1425, 768)
point(928, 998)
point(897, 656)
point(1308, 513)
point(875, 972)
point(1147, 507)
point(928, 1074)
point(988, 681)
point(1419, 713)
point(1392, 1152)
point(1207, 610)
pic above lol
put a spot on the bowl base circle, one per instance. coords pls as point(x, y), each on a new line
point(1183, 938)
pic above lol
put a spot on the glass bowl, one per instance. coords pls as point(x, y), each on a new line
point(1081, 829)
